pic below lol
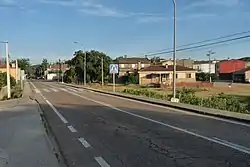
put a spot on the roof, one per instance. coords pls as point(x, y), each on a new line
point(133, 60)
point(169, 68)
point(243, 70)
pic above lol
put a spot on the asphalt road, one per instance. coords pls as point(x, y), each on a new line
point(96, 130)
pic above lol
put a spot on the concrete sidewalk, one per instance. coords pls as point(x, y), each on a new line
point(23, 140)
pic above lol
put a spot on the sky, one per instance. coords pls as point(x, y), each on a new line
point(38, 29)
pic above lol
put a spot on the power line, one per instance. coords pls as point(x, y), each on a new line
point(209, 40)
point(200, 46)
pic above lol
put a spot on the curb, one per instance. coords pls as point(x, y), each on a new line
point(50, 136)
point(218, 115)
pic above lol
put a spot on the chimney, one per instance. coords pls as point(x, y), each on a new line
point(139, 65)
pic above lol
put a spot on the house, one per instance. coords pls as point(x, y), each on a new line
point(15, 74)
point(181, 62)
point(158, 74)
point(227, 68)
point(204, 66)
point(132, 64)
point(53, 70)
point(242, 75)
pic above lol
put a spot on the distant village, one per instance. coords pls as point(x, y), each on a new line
point(161, 72)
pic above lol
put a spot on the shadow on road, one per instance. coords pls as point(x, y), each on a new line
point(126, 140)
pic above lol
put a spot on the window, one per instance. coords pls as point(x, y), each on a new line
point(165, 76)
point(188, 75)
point(122, 65)
point(176, 76)
point(133, 65)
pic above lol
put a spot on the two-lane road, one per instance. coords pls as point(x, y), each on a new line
point(99, 130)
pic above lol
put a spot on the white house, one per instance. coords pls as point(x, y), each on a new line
point(203, 66)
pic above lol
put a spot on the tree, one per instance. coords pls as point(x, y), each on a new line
point(155, 60)
point(93, 65)
point(23, 63)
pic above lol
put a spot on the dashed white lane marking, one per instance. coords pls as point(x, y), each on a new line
point(72, 129)
point(102, 162)
point(46, 90)
point(63, 89)
point(236, 146)
point(55, 90)
point(74, 90)
point(166, 125)
point(84, 142)
point(37, 91)
point(57, 113)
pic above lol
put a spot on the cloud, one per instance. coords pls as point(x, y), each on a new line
point(206, 3)
point(11, 4)
point(60, 2)
point(200, 15)
point(152, 19)
point(91, 7)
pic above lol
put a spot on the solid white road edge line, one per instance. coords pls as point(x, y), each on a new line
point(168, 108)
point(72, 129)
point(242, 148)
point(102, 162)
point(165, 124)
point(159, 106)
point(51, 105)
point(84, 142)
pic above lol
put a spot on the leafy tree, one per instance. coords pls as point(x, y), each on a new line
point(44, 66)
point(23, 63)
point(70, 75)
point(155, 60)
point(39, 71)
point(93, 65)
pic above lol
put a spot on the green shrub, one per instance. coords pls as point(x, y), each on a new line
point(187, 96)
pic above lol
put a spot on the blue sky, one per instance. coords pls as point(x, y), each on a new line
point(47, 28)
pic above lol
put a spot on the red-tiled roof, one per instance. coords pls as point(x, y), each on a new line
point(243, 70)
point(168, 68)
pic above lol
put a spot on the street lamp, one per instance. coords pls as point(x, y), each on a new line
point(7, 67)
point(209, 59)
point(174, 56)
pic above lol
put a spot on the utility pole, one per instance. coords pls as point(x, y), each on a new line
point(102, 73)
point(62, 70)
point(16, 70)
point(209, 59)
point(174, 54)
point(8, 69)
point(59, 70)
point(85, 64)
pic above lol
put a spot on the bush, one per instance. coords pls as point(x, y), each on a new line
point(131, 79)
point(146, 92)
point(3, 80)
point(187, 96)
